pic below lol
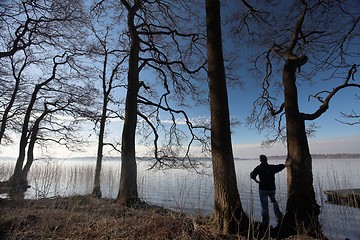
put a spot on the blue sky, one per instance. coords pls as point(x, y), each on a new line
point(328, 127)
point(330, 137)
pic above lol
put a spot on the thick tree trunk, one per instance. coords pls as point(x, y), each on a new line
point(302, 211)
point(128, 193)
point(228, 213)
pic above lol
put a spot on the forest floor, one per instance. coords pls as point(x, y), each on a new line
point(86, 217)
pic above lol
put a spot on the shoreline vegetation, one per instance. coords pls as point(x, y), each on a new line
point(87, 217)
point(327, 155)
point(275, 157)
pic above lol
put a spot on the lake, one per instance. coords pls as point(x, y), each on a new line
point(189, 191)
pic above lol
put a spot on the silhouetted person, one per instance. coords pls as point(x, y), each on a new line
point(267, 187)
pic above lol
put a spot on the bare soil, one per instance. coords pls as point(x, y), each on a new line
point(86, 217)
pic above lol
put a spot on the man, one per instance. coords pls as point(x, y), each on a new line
point(267, 187)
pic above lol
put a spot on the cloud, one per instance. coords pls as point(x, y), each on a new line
point(254, 150)
point(320, 146)
point(336, 145)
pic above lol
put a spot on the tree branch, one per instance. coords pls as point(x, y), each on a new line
point(325, 103)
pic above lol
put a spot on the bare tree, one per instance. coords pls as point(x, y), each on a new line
point(17, 34)
point(29, 131)
point(158, 48)
point(43, 54)
point(325, 45)
point(11, 85)
point(27, 28)
point(228, 215)
point(110, 56)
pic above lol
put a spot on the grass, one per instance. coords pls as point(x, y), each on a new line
point(86, 217)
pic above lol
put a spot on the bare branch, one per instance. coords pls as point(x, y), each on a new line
point(325, 103)
point(353, 116)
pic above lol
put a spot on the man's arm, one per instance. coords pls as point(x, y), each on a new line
point(277, 168)
point(253, 175)
point(257, 181)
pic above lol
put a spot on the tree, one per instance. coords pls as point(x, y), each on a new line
point(311, 37)
point(20, 34)
point(10, 111)
point(18, 181)
point(159, 48)
point(45, 53)
point(27, 28)
point(111, 60)
point(31, 128)
point(128, 194)
point(228, 215)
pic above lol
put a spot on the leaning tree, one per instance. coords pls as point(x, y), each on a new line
point(34, 32)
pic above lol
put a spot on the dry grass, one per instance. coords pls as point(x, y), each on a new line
point(86, 217)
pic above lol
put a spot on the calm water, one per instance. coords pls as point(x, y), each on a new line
point(193, 192)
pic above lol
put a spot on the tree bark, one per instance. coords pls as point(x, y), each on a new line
point(97, 186)
point(18, 181)
point(228, 212)
point(302, 211)
point(31, 145)
point(97, 183)
point(128, 194)
point(8, 109)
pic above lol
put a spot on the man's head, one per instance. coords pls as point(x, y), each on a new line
point(263, 158)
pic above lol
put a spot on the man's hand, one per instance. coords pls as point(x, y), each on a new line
point(288, 162)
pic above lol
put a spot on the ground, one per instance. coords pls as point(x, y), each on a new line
point(86, 217)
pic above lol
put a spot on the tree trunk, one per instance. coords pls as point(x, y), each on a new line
point(97, 187)
point(128, 194)
point(302, 211)
point(8, 109)
point(228, 213)
point(31, 146)
point(17, 180)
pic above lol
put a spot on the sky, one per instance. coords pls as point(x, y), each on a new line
point(331, 135)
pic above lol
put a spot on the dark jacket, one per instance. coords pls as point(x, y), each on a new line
point(266, 174)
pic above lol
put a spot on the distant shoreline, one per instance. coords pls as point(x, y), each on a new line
point(324, 156)
point(275, 157)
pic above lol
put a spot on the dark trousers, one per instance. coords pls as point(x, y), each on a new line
point(264, 195)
